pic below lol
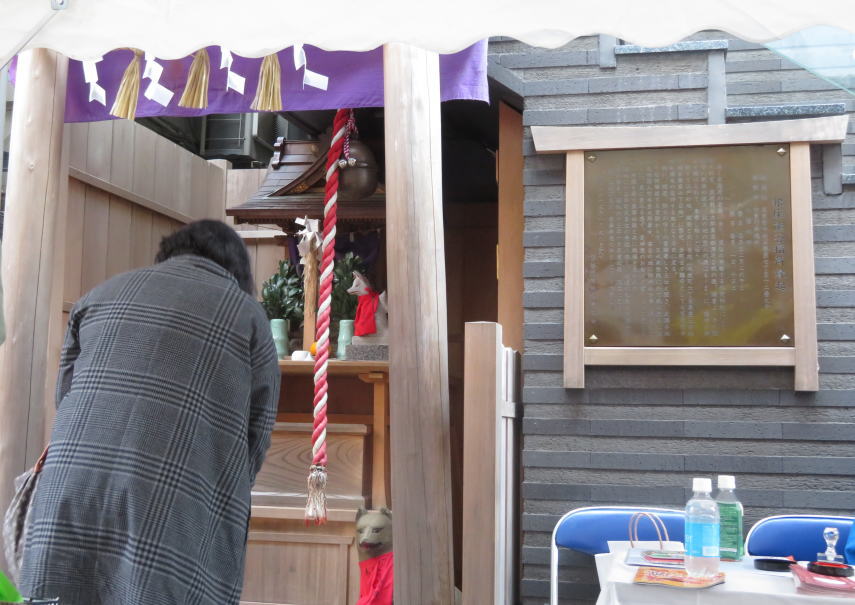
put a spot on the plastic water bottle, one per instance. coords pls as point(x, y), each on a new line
point(731, 545)
point(702, 531)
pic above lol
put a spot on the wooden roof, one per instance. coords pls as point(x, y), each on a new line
point(285, 209)
point(294, 188)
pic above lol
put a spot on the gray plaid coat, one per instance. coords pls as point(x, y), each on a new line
point(168, 390)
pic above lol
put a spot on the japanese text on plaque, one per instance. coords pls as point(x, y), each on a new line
point(688, 247)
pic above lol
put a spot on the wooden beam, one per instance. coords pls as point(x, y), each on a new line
point(558, 139)
point(260, 234)
point(574, 272)
point(287, 208)
point(511, 224)
point(691, 356)
point(34, 200)
point(379, 437)
point(132, 197)
point(299, 513)
point(806, 377)
point(310, 299)
point(336, 367)
point(421, 474)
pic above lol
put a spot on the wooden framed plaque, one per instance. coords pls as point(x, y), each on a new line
point(690, 245)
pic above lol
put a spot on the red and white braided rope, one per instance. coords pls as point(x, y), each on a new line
point(316, 506)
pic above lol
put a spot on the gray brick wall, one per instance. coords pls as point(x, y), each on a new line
point(758, 76)
point(638, 435)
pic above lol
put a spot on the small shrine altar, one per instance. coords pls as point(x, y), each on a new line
point(357, 436)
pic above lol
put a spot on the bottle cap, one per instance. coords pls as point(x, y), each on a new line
point(702, 484)
point(726, 482)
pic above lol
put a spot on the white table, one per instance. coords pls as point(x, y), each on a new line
point(744, 586)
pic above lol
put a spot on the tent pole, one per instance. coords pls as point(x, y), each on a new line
point(420, 451)
point(32, 246)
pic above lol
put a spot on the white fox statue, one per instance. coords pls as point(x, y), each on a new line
point(372, 321)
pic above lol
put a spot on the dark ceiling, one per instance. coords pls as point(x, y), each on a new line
point(470, 137)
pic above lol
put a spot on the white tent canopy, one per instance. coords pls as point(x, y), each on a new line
point(170, 29)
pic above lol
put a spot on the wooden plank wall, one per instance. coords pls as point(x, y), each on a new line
point(134, 163)
point(107, 235)
point(128, 188)
point(264, 251)
point(264, 256)
point(240, 186)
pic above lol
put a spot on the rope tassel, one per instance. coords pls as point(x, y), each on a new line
point(268, 95)
point(196, 91)
point(125, 105)
point(316, 504)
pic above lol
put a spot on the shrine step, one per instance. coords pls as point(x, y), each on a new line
point(281, 482)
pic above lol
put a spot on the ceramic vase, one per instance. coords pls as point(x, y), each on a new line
point(345, 337)
point(279, 328)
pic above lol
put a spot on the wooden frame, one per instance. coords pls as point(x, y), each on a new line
point(804, 282)
point(560, 139)
point(574, 142)
point(574, 271)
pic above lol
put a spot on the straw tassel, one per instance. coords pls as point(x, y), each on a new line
point(196, 91)
point(316, 502)
point(268, 96)
point(125, 105)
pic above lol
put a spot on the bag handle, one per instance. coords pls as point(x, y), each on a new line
point(37, 468)
point(658, 525)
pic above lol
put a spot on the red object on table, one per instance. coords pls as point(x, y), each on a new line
point(376, 580)
point(829, 568)
point(813, 583)
point(364, 323)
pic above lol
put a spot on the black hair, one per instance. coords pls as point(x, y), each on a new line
point(215, 241)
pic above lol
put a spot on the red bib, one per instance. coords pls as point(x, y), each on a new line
point(376, 580)
point(364, 323)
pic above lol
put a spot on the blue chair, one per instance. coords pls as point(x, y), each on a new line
point(589, 530)
point(796, 535)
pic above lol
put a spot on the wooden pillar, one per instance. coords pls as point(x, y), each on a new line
point(421, 478)
point(379, 438)
point(36, 194)
point(310, 299)
point(511, 225)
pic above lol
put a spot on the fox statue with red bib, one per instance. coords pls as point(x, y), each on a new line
point(376, 562)
point(372, 322)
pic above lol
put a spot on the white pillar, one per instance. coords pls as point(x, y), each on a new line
point(420, 451)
